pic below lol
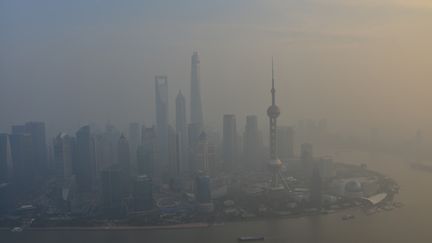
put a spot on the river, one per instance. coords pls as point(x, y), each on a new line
point(411, 223)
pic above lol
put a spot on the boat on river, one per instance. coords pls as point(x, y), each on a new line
point(250, 238)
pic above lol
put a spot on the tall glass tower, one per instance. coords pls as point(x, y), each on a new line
point(161, 85)
point(196, 113)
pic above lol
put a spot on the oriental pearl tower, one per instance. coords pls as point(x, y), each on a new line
point(274, 163)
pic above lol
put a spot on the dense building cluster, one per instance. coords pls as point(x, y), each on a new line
point(161, 169)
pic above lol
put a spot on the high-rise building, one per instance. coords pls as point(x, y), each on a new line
point(229, 145)
point(8, 198)
point(63, 146)
point(251, 141)
point(203, 193)
point(307, 159)
point(173, 169)
point(194, 131)
point(180, 113)
point(63, 161)
point(102, 154)
point(196, 106)
point(111, 138)
point(18, 129)
point(24, 173)
point(85, 164)
point(134, 141)
point(38, 150)
point(211, 158)
point(285, 142)
point(123, 152)
point(106, 148)
point(5, 159)
point(143, 193)
point(201, 152)
point(161, 85)
point(316, 188)
point(181, 130)
point(147, 152)
point(306, 153)
point(112, 191)
point(37, 132)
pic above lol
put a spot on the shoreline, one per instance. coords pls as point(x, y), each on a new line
point(172, 227)
point(115, 228)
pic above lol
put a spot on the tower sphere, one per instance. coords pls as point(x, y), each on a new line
point(273, 111)
point(275, 163)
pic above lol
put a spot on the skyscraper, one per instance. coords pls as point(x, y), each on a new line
point(5, 163)
point(24, 172)
point(316, 188)
point(63, 162)
point(251, 141)
point(201, 152)
point(161, 85)
point(194, 130)
point(134, 141)
point(161, 88)
point(63, 157)
point(229, 145)
point(146, 154)
point(38, 149)
point(111, 138)
point(85, 165)
point(196, 106)
point(37, 132)
point(180, 113)
point(112, 191)
point(307, 159)
point(203, 194)
point(123, 153)
point(143, 193)
point(181, 130)
point(18, 129)
point(173, 167)
point(306, 153)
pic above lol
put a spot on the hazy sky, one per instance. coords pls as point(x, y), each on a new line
point(358, 63)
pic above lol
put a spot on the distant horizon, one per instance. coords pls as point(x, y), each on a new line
point(358, 64)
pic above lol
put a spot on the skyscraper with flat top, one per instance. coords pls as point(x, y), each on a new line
point(196, 106)
point(134, 142)
point(229, 145)
point(63, 146)
point(37, 132)
point(123, 155)
point(85, 165)
point(161, 86)
point(251, 141)
point(181, 132)
point(5, 161)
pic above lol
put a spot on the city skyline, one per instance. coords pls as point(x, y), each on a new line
point(215, 121)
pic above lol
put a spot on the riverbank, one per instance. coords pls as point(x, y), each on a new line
point(121, 228)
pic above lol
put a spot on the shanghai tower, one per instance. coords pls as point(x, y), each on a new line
point(196, 107)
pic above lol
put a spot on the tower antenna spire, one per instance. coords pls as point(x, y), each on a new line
point(274, 164)
point(273, 91)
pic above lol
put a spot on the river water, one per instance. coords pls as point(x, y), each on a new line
point(411, 223)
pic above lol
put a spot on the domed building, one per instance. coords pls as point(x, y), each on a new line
point(353, 188)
